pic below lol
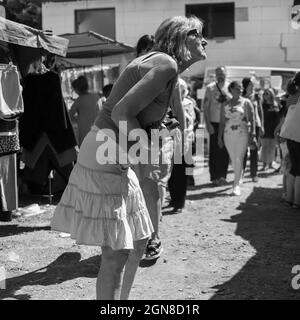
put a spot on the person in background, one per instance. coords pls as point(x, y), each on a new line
point(154, 248)
point(178, 181)
point(197, 116)
point(144, 45)
point(281, 143)
point(216, 93)
point(283, 150)
point(285, 165)
point(248, 92)
point(85, 108)
point(271, 120)
point(290, 131)
point(108, 204)
point(237, 129)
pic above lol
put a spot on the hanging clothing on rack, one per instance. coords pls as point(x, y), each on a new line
point(45, 111)
point(21, 45)
point(46, 133)
point(11, 106)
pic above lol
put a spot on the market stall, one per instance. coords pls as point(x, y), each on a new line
point(22, 44)
point(21, 47)
point(97, 56)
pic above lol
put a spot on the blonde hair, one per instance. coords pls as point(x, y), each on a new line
point(170, 37)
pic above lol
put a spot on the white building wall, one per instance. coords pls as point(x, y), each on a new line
point(266, 39)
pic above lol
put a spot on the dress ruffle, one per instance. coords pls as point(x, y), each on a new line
point(103, 207)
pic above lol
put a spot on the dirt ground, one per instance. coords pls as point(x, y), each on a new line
point(220, 248)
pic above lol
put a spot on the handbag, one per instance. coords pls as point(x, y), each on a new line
point(290, 128)
point(9, 143)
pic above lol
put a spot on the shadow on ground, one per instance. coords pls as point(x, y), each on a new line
point(273, 230)
point(266, 174)
point(28, 199)
point(209, 195)
point(14, 229)
point(66, 267)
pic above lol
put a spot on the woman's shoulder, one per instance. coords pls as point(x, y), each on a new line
point(161, 60)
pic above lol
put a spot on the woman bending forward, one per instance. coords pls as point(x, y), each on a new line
point(103, 203)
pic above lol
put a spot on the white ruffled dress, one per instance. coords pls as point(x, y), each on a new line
point(102, 204)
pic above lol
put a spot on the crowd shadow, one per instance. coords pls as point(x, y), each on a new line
point(14, 229)
point(272, 228)
point(209, 195)
point(66, 267)
point(266, 174)
point(199, 186)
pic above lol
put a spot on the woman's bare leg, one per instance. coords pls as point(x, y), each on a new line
point(131, 266)
point(109, 280)
point(151, 195)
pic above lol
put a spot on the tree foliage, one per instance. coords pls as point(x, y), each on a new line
point(24, 11)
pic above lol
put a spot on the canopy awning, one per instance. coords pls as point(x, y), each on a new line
point(22, 35)
point(91, 45)
point(117, 59)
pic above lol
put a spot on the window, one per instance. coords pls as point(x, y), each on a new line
point(98, 20)
point(218, 18)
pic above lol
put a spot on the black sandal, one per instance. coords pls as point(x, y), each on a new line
point(153, 250)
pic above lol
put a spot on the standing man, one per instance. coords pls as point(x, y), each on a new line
point(216, 93)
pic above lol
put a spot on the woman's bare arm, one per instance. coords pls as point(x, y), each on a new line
point(143, 93)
